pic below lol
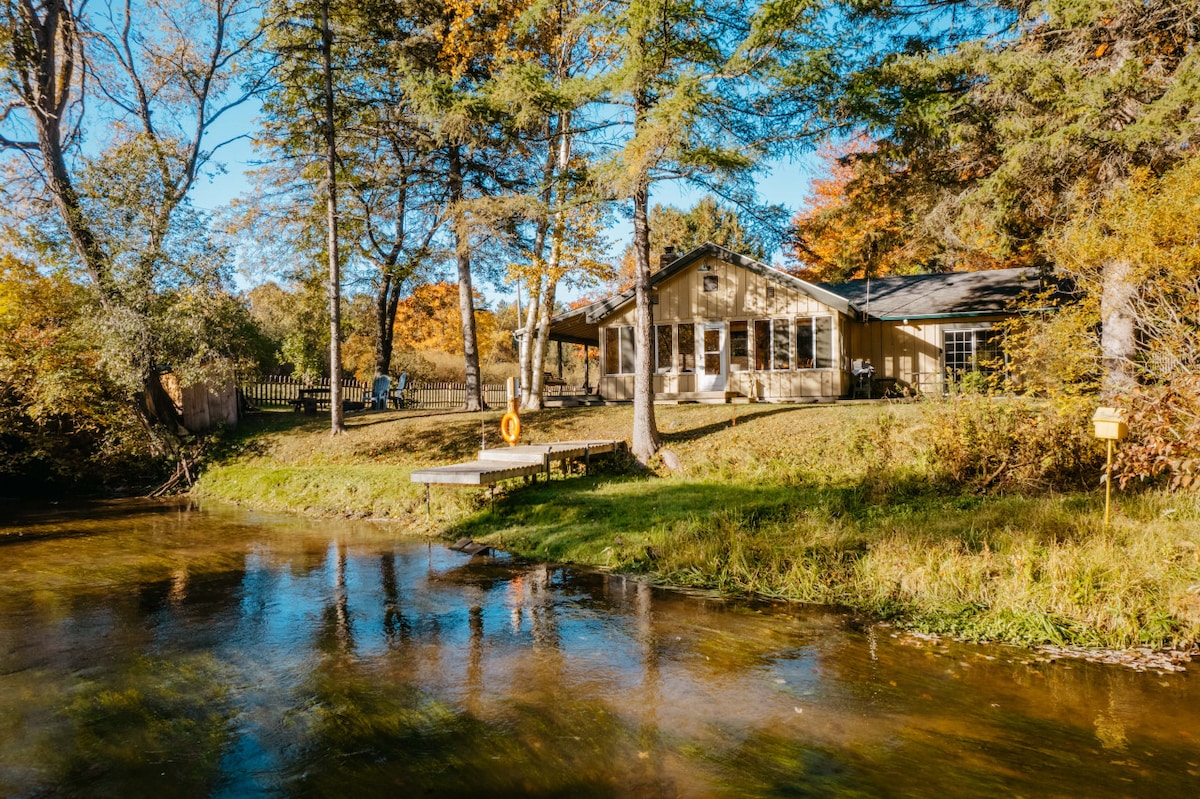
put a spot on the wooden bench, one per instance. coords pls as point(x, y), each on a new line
point(548, 379)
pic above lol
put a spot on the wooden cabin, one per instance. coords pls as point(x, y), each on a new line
point(727, 327)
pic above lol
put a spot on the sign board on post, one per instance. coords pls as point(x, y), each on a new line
point(1110, 424)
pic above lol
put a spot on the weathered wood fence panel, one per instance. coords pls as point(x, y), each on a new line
point(450, 395)
point(203, 406)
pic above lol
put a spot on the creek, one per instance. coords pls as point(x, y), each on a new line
point(163, 649)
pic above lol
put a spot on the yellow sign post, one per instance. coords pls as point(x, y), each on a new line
point(1109, 424)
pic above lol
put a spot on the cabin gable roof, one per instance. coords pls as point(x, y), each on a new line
point(943, 296)
point(597, 311)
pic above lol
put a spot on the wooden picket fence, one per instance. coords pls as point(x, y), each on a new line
point(277, 391)
point(450, 395)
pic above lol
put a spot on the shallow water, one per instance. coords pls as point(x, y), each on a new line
point(162, 650)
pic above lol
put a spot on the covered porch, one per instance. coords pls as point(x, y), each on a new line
point(558, 391)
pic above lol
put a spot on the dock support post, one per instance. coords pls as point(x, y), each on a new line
point(428, 513)
point(546, 463)
point(587, 460)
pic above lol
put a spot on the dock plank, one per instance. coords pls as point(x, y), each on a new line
point(494, 465)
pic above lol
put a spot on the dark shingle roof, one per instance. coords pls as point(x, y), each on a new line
point(940, 295)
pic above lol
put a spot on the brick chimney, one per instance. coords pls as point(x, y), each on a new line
point(668, 257)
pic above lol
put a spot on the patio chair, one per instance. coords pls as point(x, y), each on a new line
point(397, 393)
point(379, 392)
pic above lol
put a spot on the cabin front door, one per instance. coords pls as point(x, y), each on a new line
point(713, 359)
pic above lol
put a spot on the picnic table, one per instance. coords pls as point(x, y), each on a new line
point(310, 400)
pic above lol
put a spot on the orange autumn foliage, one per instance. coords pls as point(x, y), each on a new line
point(854, 223)
point(429, 321)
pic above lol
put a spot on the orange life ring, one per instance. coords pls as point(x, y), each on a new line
point(510, 427)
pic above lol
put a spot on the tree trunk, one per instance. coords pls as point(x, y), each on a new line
point(466, 298)
point(542, 342)
point(531, 379)
point(385, 316)
point(336, 416)
point(44, 53)
point(529, 393)
point(1118, 341)
point(645, 430)
point(387, 298)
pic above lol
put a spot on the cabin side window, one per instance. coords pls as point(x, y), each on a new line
point(814, 342)
point(664, 347)
point(618, 350)
point(772, 344)
point(739, 346)
point(687, 348)
point(973, 349)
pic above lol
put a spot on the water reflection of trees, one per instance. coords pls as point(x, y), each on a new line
point(313, 667)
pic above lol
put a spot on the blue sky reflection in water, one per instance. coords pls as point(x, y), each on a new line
point(155, 650)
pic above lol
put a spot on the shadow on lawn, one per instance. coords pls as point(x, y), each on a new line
point(697, 433)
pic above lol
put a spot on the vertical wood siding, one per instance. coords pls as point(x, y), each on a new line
point(740, 295)
point(909, 353)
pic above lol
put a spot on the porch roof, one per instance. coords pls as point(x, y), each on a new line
point(573, 327)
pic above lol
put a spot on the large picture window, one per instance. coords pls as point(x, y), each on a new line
point(772, 344)
point(973, 350)
point(618, 350)
point(814, 342)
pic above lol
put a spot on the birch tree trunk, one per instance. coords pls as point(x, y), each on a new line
point(562, 159)
point(529, 331)
point(1118, 341)
point(540, 346)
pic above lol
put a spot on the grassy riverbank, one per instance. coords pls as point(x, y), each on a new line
point(817, 504)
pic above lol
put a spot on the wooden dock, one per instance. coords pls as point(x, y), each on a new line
point(494, 465)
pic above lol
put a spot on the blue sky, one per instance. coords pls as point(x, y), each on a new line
point(787, 184)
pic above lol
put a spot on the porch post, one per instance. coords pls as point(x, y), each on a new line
point(587, 367)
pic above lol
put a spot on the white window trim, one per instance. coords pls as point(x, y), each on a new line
point(974, 329)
